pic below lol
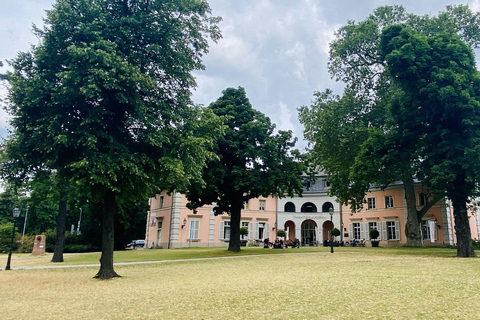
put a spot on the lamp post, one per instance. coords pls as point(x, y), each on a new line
point(16, 213)
point(331, 237)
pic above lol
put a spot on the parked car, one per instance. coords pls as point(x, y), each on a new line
point(135, 243)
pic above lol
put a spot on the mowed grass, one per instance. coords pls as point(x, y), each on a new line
point(306, 283)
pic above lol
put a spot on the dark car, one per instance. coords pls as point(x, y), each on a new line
point(136, 243)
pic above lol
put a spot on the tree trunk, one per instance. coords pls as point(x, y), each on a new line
point(60, 239)
point(412, 225)
point(106, 260)
point(462, 228)
point(235, 216)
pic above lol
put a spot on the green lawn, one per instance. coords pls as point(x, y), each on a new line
point(353, 283)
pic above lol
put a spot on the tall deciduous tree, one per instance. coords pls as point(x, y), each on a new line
point(253, 161)
point(377, 151)
point(104, 99)
point(441, 108)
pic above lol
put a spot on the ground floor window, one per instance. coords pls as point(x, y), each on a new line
point(356, 231)
point(225, 230)
point(391, 230)
point(429, 231)
point(261, 230)
point(247, 225)
point(193, 233)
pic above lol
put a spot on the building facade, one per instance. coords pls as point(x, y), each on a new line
point(309, 218)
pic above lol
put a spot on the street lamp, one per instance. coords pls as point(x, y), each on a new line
point(331, 236)
point(16, 213)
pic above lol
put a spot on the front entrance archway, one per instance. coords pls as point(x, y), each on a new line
point(309, 232)
point(289, 230)
point(327, 229)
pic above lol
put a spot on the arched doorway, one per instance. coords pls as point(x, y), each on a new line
point(327, 229)
point(308, 207)
point(309, 232)
point(289, 230)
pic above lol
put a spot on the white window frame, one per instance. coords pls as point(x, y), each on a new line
point(194, 230)
point(389, 202)
point(262, 204)
point(391, 230)
point(371, 203)
point(426, 230)
point(224, 226)
point(246, 205)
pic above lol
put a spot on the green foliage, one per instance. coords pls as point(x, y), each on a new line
point(243, 231)
point(252, 161)
point(104, 100)
point(335, 232)
point(353, 137)
point(281, 233)
point(374, 233)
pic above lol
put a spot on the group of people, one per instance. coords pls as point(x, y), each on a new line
point(280, 244)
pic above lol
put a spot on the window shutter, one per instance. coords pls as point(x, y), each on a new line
point(350, 231)
point(256, 231)
point(364, 230)
point(267, 231)
point(222, 230)
point(379, 231)
point(435, 231)
point(384, 230)
point(250, 231)
point(197, 229)
point(397, 230)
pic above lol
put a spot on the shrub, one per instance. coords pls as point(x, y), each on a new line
point(281, 233)
point(335, 232)
point(243, 231)
point(374, 233)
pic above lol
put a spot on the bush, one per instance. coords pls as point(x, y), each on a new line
point(374, 234)
point(243, 231)
point(335, 232)
point(281, 233)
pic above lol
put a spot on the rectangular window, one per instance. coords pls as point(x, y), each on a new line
point(226, 230)
point(391, 230)
point(429, 231)
point(422, 199)
point(261, 231)
point(161, 202)
point(261, 205)
point(371, 203)
point(357, 235)
point(389, 202)
point(193, 233)
point(245, 224)
point(245, 205)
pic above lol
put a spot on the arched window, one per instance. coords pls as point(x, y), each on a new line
point(309, 207)
point(289, 207)
point(326, 206)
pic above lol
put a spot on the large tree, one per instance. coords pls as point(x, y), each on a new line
point(440, 106)
point(104, 99)
point(253, 161)
point(354, 137)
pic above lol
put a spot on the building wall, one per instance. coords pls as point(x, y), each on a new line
point(309, 220)
point(182, 227)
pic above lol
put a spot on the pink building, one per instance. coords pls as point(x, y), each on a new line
point(172, 225)
point(308, 218)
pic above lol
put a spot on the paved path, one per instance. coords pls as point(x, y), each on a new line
point(56, 266)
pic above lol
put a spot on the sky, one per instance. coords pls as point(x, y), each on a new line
point(276, 49)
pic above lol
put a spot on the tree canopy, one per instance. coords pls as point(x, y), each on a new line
point(440, 106)
point(355, 137)
point(104, 99)
point(253, 161)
